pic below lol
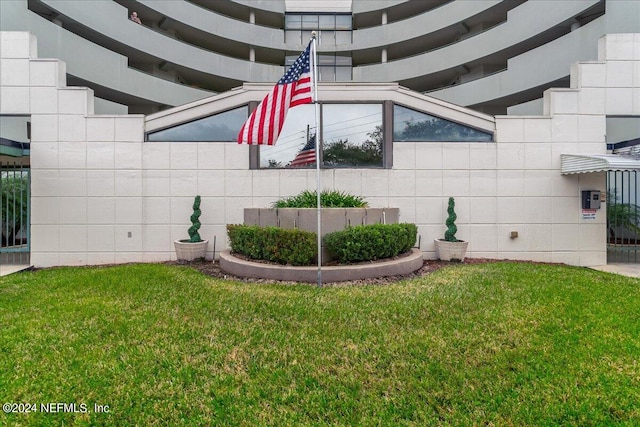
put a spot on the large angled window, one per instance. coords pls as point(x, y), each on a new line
point(221, 127)
point(295, 141)
point(412, 125)
point(351, 137)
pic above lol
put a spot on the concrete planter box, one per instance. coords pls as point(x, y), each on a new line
point(391, 267)
point(187, 251)
point(451, 251)
point(333, 219)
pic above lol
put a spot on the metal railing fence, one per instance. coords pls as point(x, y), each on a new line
point(623, 217)
point(15, 214)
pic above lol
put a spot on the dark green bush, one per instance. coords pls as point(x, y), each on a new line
point(281, 245)
point(328, 199)
point(371, 242)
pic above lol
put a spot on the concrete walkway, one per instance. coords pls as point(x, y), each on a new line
point(9, 269)
point(631, 270)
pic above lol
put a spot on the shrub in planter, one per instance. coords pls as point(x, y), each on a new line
point(281, 245)
point(194, 235)
point(450, 248)
point(452, 229)
point(194, 247)
point(371, 242)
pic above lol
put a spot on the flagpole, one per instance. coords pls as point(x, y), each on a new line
point(314, 78)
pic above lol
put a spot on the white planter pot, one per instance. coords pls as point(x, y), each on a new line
point(187, 251)
point(451, 251)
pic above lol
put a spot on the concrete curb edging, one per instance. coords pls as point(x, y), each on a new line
point(242, 268)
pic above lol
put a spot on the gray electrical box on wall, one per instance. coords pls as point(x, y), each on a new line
point(590, 199)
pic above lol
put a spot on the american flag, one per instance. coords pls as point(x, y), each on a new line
point(307, 155)
point(294, 88)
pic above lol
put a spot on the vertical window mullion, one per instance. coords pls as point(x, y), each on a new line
point(387, 132)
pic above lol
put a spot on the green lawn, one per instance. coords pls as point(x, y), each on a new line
point(490, 344)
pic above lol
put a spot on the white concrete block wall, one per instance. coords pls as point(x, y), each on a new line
point(102, 195)
point(18, 44)
point(526, 192)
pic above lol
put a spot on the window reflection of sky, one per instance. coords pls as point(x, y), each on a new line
point(222, 127)
point(292, 137)
point(341, 122)
point(352, 122)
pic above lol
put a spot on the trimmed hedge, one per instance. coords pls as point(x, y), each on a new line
point(281, 245)
point(371, 242)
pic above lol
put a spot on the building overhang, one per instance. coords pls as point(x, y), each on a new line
point(327, 92)
point(584, 163)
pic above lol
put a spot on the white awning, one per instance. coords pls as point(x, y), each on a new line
point(583, 163)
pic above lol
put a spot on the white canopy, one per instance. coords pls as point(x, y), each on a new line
point(583, 163)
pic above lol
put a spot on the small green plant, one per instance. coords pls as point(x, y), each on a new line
point(371, 242)
point(194, 236)
point(450, 234)
point(281, 245)
point(328, 199)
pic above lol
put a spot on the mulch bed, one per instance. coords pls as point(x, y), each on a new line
point(213, 269)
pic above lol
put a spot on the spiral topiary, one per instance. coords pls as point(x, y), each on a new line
point(450, 234)
point(194, 236)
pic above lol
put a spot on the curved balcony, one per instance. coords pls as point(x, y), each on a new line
point(190, 16)
point(265, 5)
point(524, 72)
point(519, 28)
point(110, 20)
point(365, 6)
point(106, 69)
point(370, 13)
point(210, 22)
point(422, 25)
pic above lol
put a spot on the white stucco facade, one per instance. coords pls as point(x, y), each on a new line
point(101, 194)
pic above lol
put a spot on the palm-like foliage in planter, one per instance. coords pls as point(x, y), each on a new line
point(328, 199)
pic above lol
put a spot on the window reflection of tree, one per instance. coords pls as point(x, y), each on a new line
point(341, 152)
point(274, 164)
point(412, 125)
point(434, 129)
